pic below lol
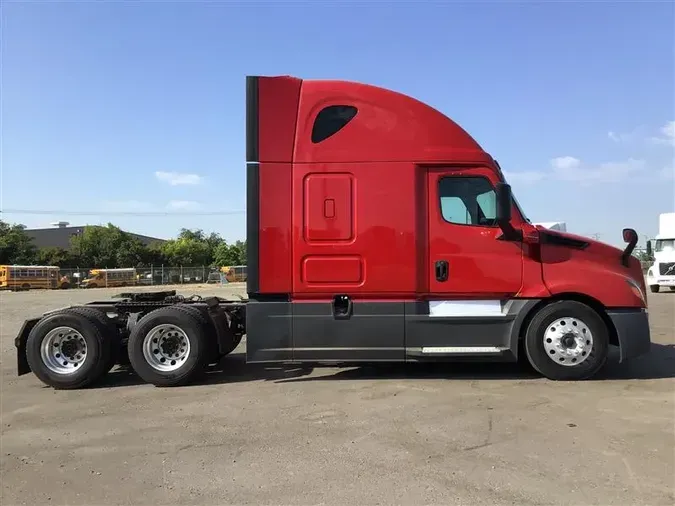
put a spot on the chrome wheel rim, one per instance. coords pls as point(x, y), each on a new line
point(568, 341)
point(166, 347)
point(63, 350)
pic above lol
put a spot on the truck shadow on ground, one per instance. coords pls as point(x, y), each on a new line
point(658, 364)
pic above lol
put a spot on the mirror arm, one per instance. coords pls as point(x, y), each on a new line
point(509, 232)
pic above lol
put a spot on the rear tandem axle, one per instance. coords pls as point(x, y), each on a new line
point(168, 339)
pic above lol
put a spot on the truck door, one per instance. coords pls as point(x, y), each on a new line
point(466, 258)
point(471, 272)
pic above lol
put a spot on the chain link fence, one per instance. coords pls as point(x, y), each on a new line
point(101, 277)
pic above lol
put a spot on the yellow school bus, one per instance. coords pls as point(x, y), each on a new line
point(27, 277)
point(234, 273)
point(101, 278)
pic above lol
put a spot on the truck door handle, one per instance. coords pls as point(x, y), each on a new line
point(442, 270)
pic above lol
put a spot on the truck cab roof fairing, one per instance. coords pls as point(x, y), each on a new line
point(388, 126)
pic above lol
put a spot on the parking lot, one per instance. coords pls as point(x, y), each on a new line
point(441, 434)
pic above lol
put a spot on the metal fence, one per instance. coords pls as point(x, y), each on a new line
point(148, 276)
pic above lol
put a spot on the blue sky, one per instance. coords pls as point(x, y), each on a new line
point(139, 106)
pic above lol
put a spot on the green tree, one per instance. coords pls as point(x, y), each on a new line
point(212, 241)
point(188, 233)
point(56, 256)
point(241, 245)
point(230, 254)
point(16, 247)
point(153, 255)
point(107, 246)
point(188, 251)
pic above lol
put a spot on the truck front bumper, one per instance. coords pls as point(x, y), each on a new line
point(661, 281)
point(632, 329)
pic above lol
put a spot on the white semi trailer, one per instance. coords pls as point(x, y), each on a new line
point(662, 272)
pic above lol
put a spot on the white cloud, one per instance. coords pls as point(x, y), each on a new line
point(668, 172)
point(568, 168)
point(183, 205)
point(614, 136)
point(667, 136)
point(572, 169)
point(524, 177)
point(636, 134)
point(565, 163)
point(177, 178)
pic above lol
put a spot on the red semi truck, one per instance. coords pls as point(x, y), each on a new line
point(378, 231)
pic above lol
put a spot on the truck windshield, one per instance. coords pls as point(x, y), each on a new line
point(664, 245)
point(520, 209)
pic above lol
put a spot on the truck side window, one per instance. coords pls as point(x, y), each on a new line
point(467, 201)
point(331, 120)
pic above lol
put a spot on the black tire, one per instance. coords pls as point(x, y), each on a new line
point(211, 339)
point(94, 366)
point(192, 324)
point(579, 314)
point(108, 328)
point(654, 288)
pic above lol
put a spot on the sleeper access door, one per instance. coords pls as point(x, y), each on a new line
point(335, 262)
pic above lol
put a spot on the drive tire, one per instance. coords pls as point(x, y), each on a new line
point(108, 328)
point(540, 340)
point(654, 288)
point(211, 336)
point(95, 362)
point(191, 329)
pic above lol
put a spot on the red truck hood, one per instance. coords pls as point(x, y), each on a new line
point(587, 260)
point(594, 247)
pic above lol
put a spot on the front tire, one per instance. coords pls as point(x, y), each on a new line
point(169, 346)
point(567, 340)
point(654, 288)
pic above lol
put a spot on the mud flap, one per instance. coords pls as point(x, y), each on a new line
point(633, 332)
point(221, 323)
point(22, 366)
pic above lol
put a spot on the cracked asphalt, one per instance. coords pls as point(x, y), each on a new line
point(438, 434)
